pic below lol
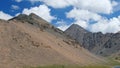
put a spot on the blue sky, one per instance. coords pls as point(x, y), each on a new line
point(93, 15)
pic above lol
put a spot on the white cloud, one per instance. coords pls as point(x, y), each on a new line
point(86, 15)
point(56, 3)
point(107, 26)
point(82, 23)
point(98, 6)
point(62, 25)
point(82, 17)
point(15, 7)
point(104, 25)
point(42, 11)
point(18, 0)
point(53, 3)
point(4, 16)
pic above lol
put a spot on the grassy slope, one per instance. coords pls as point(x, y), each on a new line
point(111, 63)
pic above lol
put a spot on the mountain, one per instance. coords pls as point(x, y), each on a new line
point(98, 43)
point(28, 40)
point(76, 32)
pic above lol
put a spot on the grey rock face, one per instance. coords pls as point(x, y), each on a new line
point(98, 43)
point(76, 32)
point(112, 45)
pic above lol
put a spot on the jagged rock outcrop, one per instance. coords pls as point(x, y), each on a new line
point(98, 43)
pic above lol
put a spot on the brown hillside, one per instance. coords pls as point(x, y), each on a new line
point(23, 44)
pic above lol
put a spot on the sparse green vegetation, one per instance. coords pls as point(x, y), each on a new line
point(96, 67)
point(113, 62)
point(69, 66)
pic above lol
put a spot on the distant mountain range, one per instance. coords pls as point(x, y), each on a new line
point(101, 44)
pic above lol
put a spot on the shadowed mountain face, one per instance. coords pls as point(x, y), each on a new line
point(98, 43)
point(28, 40)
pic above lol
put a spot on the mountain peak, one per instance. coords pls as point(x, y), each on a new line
point(78, 28)
point(31, 18)
point(34, 15)
point(75, 31)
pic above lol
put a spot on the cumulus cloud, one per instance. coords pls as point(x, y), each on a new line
point(107, 26)
point(86, 15)
point(98, 6)
point(42, 11)
point(15, 7)
point(4, 16)
point(82, 17)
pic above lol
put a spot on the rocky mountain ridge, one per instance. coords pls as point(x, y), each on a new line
point(98, 43)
